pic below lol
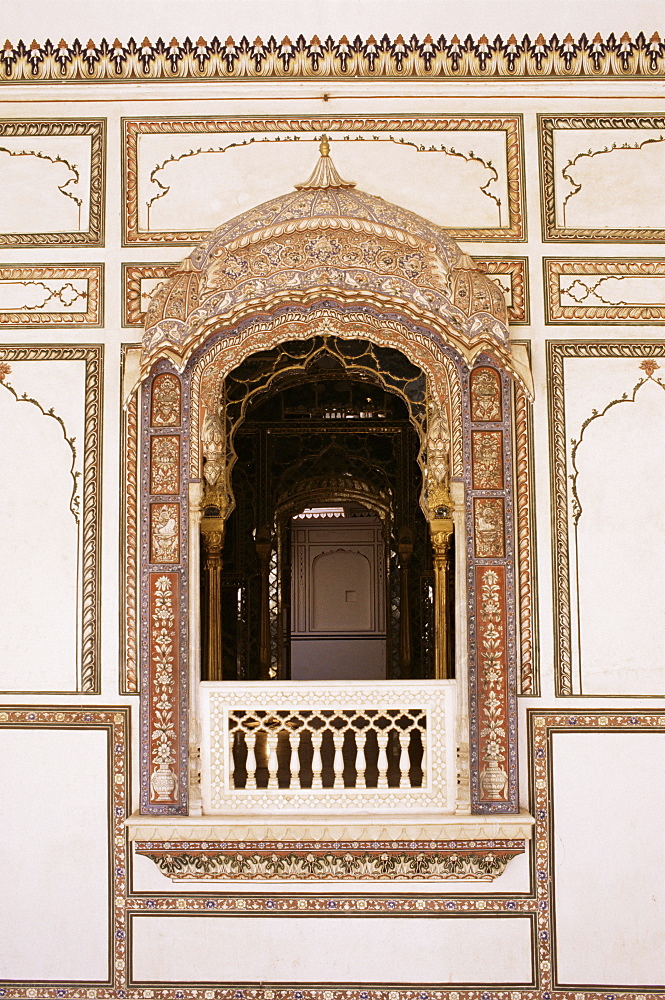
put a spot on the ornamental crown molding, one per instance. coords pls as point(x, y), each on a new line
point(111, 62)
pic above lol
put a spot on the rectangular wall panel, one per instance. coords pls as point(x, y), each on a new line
point(54, 855)
point(609, 858)
point(331, 949)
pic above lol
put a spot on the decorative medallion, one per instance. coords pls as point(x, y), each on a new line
point(488, 523)
point(164, 465)
point(166, 401)
point(487, 456)
point(485, 395)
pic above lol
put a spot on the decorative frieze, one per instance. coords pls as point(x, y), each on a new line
point(482, 860)
point(589, 162)
point(480, 59)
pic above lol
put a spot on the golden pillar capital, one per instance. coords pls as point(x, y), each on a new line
point(212, 532)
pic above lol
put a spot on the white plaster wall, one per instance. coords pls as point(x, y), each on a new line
point(609, 801)
point(54, 855)
point(609, 853)
point(332, 950)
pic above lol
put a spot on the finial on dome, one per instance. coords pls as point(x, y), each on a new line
point(325, 174)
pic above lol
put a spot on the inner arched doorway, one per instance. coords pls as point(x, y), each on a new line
point(326, 569)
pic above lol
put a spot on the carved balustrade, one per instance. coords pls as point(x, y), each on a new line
point(273, 748)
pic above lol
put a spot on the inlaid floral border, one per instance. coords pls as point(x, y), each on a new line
point(134, 128)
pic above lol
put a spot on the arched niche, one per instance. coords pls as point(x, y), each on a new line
point(198, 333)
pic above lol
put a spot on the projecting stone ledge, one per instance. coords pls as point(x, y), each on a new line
point(442, 847)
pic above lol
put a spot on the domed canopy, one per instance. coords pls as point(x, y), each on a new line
point(327, 241)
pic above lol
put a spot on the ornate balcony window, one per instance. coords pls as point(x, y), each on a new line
point(323, 357)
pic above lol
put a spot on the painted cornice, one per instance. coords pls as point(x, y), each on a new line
point(441, 58)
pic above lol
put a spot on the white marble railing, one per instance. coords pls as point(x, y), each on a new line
point(279, 748)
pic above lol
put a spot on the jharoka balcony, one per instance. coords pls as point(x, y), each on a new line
point(337, 760)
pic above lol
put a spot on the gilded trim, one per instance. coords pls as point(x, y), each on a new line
point(93, 356)
point(591, 307)
point(524, 505)
point(129, 641)
point(547, 125)
point(132, 276)
point(517, 270)
point(272, 127)
point(80, 308)
point(96, 130)
point(557, 352)
point(477, 860)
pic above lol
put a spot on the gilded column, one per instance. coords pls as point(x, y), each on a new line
point(263, 550)
point(441, 529)
point(212, 532)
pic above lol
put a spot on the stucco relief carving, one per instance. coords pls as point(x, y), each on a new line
point(166, 401)
point(165, 464)
point(164, 533)
point(483, 861)
point(487, 457)
point(489, 529)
